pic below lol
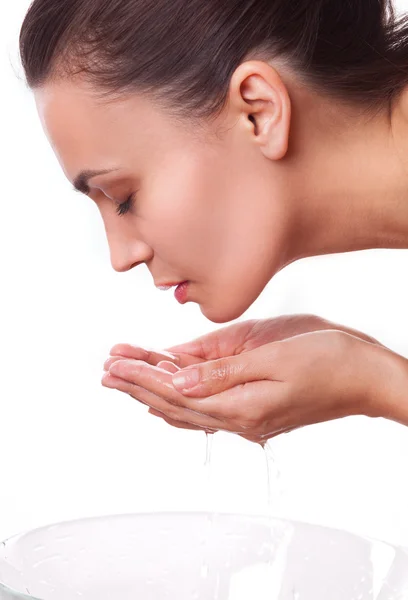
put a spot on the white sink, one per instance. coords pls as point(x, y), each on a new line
point(198, 556)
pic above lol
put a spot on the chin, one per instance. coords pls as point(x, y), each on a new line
point(221, 314)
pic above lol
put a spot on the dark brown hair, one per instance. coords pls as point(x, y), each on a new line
point(184, 52)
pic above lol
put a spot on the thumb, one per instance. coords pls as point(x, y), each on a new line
point(215, 376)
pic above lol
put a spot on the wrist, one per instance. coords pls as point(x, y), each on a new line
point(388, 395)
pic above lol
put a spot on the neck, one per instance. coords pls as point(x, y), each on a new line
point(351, 190)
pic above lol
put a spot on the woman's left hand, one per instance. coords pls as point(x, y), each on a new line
point(273, 389)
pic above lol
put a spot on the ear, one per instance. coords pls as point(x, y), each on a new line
point(260, 95)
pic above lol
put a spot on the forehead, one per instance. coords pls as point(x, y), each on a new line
point(83, 129)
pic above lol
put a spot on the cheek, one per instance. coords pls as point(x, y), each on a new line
point(184, 220)
point(185, 236)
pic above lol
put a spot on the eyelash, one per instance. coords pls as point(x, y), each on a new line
point(125, 207)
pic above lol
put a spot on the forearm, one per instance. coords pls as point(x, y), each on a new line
point(389, 386)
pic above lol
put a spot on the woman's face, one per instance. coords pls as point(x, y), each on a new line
point(206, 205)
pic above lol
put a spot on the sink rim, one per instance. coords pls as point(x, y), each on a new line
point(260, 517)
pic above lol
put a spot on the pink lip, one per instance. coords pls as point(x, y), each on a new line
point(182, 292)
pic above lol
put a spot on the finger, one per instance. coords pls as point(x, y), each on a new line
point(149, 377)
point(186, 360)
point(216, 344)
point(115, 383)
point(153, 357)
point(150, 356)
point(141, 395)
point(153, 386)
point(108, 363)
point(200, 347)
point(164, 364)
point(177, 424)
point(168, 366)
point(213, 377)
point(237, 410)
point(242, 409)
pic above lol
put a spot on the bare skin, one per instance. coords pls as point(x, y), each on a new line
point(228, 204)
point(254, 385)
point(282, 174)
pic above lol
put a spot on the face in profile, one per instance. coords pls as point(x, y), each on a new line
point(201, 205)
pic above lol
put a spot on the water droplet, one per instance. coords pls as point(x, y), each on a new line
point(273, 476)
point(204, 570)
point(208, 448)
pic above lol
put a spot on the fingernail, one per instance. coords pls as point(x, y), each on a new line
point(120, 368)
point(107, 381)
point(108, 363)
point(184, 380)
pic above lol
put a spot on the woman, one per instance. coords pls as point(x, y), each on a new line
point(221, 141)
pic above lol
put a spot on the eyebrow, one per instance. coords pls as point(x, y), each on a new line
point(81, 181)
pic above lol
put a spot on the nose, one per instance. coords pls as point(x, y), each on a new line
point(126, 254)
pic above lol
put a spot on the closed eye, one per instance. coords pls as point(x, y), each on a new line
point(125, 207)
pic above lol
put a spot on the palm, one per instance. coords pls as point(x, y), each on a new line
point(236, 339)
point(248, 335)
point(227, 341)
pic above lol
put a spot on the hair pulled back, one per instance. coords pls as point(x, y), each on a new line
point(184, 52)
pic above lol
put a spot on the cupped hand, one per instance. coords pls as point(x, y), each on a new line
point(232, 340)
point(261, 392)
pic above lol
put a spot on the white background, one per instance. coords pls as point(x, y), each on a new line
point(70, 448)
